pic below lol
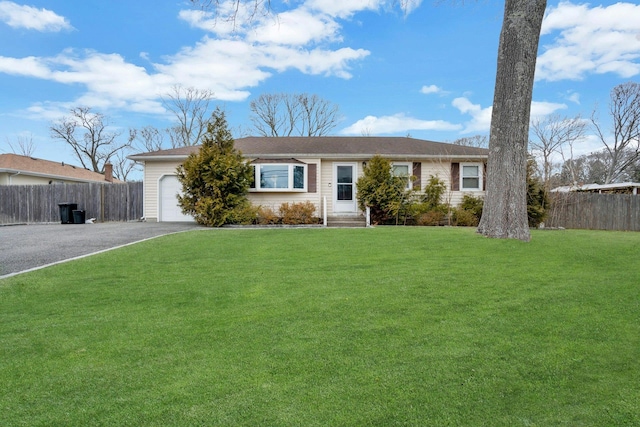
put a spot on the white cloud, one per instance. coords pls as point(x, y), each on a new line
point(430, 89)
point(398, 123)
point(480, 117)
point(31, 18)
point(113, 82)
point(235, 56)
point(409, 6)
point(296, 28)
point(573, 97)
point(598, 40)
point(220, 23)
point(29, 66)
point(343, 8)
point(539, 109)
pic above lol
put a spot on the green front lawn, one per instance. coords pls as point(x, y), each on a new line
point(329, 327)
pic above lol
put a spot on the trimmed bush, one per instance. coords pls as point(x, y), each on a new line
point(473, 205)
point(463, 218)
point(246, 214)
point(267, 216)
point(298, 213)
point(433, 217)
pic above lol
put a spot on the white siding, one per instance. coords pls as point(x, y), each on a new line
point(327, 178)
point(153, 171)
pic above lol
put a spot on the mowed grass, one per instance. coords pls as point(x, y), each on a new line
point(328, 327)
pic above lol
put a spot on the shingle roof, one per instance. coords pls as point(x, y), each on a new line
point(14, 163)
point(333, 147)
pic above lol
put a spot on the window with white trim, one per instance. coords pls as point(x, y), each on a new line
point(471, 176)
point(404, 170)
point(279, 177)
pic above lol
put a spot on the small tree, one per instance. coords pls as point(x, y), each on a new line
point(433, 192)
point(216, 179)
point(383, 193)
point(430, 210)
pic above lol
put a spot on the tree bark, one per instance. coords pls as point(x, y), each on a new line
point(505, 207)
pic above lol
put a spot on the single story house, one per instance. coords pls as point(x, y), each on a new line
point(25, 170)
point(322, 170)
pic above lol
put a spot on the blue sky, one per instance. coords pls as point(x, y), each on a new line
point(427, 71)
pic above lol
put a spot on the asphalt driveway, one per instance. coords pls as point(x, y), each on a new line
point(26, 247)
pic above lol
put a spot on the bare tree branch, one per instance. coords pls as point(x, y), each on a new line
point(22, 145)
point(87, 135)
point(149, 138)
point(479, 141)
point(191, 109)
point(624, 149)
point(122, 166)
point(553, 133)
point(293, 114)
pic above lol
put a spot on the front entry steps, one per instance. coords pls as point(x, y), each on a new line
point(346, 221)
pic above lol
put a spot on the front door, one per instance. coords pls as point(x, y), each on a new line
point(344, 188)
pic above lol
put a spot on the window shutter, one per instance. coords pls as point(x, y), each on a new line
point(484, 177)
point(417, 172)
point(455, 176)
point(312, 179)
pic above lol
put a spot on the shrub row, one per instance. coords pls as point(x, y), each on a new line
point(289, 213)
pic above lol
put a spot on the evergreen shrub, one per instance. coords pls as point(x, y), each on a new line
point(215, 180)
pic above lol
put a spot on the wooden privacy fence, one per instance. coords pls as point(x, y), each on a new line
point(594, 211)
point(39, 203)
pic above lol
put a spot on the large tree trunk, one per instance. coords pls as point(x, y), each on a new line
point(505, 206)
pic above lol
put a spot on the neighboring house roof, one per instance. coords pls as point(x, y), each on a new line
point(598, 187)
point(332, 147)
point(17, 164)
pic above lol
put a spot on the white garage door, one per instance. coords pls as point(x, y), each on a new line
point(169, 210)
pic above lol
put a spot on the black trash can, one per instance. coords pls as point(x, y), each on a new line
point(78, 216)
point(66, 212)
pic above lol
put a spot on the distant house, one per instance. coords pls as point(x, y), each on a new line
point(25, 170)
point(616, 188)
point(321, 170)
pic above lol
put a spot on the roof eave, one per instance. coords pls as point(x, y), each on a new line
point(324, 156)
point(48, 175)
point(142, 158)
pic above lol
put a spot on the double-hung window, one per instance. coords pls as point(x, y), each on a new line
point(404, 170)
point(279, 176)
point(471, 176)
